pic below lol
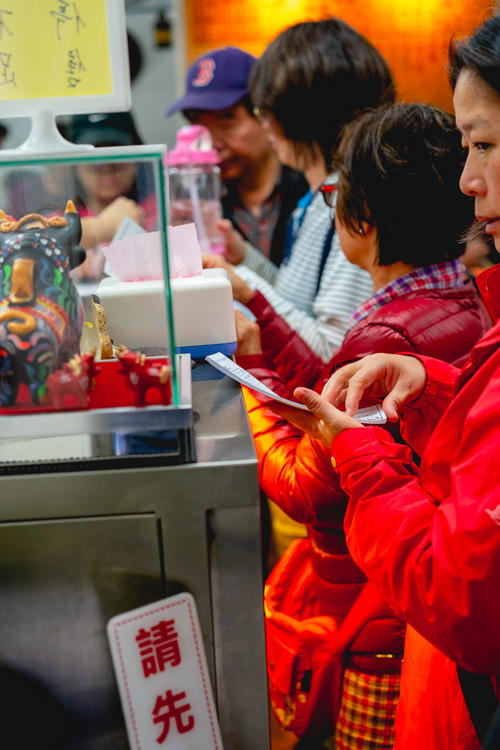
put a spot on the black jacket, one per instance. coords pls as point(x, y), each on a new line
point(292, 186)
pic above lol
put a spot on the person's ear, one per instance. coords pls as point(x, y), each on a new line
point(365, 229)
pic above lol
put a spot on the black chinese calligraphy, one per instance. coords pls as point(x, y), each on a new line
point(3, 22)
point(66, 13)
point(7, 73)
point(74, 68)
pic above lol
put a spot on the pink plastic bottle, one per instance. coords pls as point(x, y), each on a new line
point(195, 185)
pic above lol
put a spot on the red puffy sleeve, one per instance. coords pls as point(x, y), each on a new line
point(431, 539)
point(294, 470)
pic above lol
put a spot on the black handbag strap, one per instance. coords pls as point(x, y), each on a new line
point(327, 244)
point(492, 740)
point(480, 700)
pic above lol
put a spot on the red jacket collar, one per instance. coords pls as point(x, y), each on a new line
point(488, 283)
point(483, 350)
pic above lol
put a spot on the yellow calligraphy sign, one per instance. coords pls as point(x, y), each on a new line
point(54, 48)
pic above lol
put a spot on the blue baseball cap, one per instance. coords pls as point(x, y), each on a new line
point(216, 80)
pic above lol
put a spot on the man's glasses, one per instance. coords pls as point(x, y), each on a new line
point(328, 193)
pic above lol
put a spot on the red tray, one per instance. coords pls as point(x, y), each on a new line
point(111, 390)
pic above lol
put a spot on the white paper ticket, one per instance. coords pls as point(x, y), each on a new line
point(369, 415)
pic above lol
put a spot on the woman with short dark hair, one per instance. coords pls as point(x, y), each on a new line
point(399, 168)
point(310, 82)
point(393, 180)
point(313, 79)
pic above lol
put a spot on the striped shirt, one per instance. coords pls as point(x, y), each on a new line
point(446, 275)
point(321, 318)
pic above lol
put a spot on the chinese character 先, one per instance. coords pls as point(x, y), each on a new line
point(165, 710)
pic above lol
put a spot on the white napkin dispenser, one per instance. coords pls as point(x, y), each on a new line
point(202, 311)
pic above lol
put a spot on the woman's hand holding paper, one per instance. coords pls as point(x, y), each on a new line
point(396, 378)
point(323, 421)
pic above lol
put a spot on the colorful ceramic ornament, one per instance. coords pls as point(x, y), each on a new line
point(41, 313)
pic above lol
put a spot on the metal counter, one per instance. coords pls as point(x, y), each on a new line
point(77, 548)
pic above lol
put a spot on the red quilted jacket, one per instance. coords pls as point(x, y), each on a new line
point(439, 558)
point(295, 471)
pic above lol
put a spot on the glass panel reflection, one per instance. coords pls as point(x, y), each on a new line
point(68, 226)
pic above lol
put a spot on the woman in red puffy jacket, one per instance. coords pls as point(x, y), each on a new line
point(399, 216)
point(437, 555)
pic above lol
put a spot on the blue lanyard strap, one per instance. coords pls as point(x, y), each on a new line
point(294, 224)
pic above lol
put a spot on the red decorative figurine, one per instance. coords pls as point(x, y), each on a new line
point(75, 379)
point(142, 376)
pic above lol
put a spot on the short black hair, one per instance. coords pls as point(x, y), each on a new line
point(314, 78)
point(480, 54)
point(103, 129)
point(399, 171)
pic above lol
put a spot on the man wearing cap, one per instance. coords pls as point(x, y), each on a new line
point(259, 193)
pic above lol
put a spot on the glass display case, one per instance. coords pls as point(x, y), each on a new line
point(111, 499)
point(70, 390)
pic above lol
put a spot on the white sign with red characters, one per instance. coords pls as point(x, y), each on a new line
point(162, 677)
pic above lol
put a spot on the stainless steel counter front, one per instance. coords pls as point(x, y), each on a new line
point(78, 547)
